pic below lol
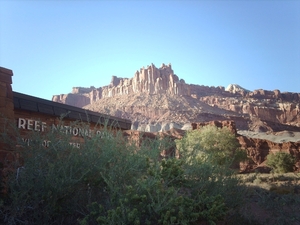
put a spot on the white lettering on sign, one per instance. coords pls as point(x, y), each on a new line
point(46, 143)
point(28, 124)
point(75, 131)
point(21, 123)
point(74, 144)
point(39, 126)
point(26, 140)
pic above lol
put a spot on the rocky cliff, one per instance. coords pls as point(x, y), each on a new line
point(156, 99)
point(150, 80)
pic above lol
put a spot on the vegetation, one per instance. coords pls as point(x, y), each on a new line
point(111, 180)
point(212, 144)
point(272, 198)
point(281, 162)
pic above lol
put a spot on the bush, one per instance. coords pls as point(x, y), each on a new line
point(159, 198)
point(54, 184)
point(112, 181)
point(210, 143)
point(281, 162)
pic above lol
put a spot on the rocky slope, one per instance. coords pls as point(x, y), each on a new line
point(155, 99)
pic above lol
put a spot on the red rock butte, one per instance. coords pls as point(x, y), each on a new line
point(150, 80)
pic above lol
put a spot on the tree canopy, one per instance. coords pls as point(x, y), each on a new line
point(217, 145)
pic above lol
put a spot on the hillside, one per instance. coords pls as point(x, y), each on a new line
point(156, 99)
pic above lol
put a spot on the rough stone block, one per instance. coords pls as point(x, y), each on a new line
point(2, 84)
point(9, 92)
point(2, 102)
point(10, 105)
point(6, 78)
point(7, 113)
point(5, 75)
point(3, 90)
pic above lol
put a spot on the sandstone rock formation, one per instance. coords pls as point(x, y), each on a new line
point(263, 105)
point(77, 100)
point(230, 124)
point(150, 80)
point(258, 149)
point(156, 99)
point(235, 88)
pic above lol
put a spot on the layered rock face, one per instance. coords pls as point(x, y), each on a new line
point(271, 106)
point(258, 149)
point(156, 99)
point(150, 80)
point(72, 99)
point(79, 97)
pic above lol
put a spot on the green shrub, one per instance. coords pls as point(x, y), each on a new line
point(162, 196)
point(281, 162)
point(109, 180)
point(54, 184)
point(210, 143)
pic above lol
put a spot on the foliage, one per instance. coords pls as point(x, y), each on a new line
point(281, 162)
point(210, 143)
point(274, 198)
point(110, 180)
point(162, 196)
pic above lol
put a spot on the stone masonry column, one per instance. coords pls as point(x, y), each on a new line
point(6, 117)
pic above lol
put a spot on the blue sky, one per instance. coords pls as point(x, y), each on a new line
point(52, 46)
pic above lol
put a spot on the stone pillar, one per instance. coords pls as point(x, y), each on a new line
point(7, 156)
point(6, 94)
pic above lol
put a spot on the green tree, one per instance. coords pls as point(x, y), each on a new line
point(217, 145)
point(281, 162)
